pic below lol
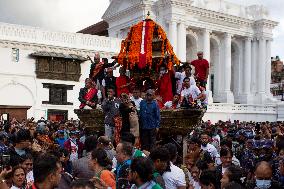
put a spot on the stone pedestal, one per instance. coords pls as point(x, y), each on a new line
point(173, 122)
point(227, 97)
point(280, 107)
point(246, 99)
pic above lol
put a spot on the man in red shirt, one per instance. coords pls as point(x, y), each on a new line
point(122, 83)
point(201, 69)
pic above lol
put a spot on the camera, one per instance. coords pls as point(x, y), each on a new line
point(4, 161)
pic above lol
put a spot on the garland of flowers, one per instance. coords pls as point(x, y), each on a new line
point(131, 46)
point(149, 53)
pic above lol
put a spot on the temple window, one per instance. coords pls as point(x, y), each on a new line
point(57, 94)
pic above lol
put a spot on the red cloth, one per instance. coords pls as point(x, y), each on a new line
point(142, 57)
point(122, 80)
point(80, 145)
point(117, 129)
point(97, 69)
point(165, 87)
point(89, 95)
point(200, 68)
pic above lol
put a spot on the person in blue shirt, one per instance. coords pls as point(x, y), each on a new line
point(149, 120)
point(61, 139)
point(124, 152)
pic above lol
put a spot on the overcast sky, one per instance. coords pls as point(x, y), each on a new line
point(73, 15)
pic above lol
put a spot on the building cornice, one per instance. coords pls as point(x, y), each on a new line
point(35, 38)
point(127, 24)
point(216, 27)
point(219, 16)
point(121, 14)
point(266, 23)
point(177, 3)
point(111, 15)
point(50, 48)
point(230, 20)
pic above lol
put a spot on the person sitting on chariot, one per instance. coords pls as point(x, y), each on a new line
point(183, 74)
point(204, 92)
point(164, 84)
point(148, 82)
point(136, 81)
point(189, 94)
point(174, 104)
point(122, 82)
point(88, 95)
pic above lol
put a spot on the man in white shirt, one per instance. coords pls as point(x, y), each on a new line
point(175, 178)
point(174, 104)
point(205, 94)
point(190, 93)
point(209, 147)
point(182, 75)
point(136, 98)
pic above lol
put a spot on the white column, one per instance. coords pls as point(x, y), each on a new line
point(247, 66)
point(261, 65)
point(227, 94)
point(173, 34)
point(268, 68)
point(228, 63)
point(206, 44)
point(254, 66)
point(181, 42)
point(261, 71)
point(206, 55)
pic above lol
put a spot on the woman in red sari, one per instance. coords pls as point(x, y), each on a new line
point(88, 95)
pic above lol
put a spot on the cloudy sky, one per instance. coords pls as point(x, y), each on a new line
point(73, 15)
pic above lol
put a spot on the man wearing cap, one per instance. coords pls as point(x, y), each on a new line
point(247, 158)
point(266, 151)
point(201, 69)
point(150, 121)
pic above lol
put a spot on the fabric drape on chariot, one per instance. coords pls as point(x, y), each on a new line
point(117, 128)
point(144, 39)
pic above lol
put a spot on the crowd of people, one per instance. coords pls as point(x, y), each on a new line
point(66, 155)
point(226, 155)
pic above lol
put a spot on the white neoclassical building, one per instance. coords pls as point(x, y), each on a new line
point(236, 40)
